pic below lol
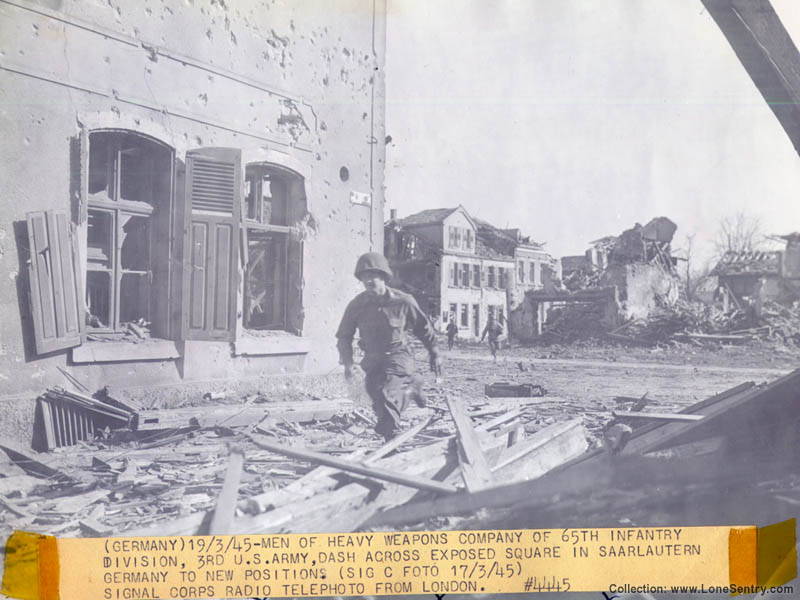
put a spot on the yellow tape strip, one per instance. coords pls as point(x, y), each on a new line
point(31, 567)
point(776, 554)
point(742, 556)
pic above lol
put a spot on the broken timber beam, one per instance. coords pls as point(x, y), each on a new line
point(226, 502)
point(429, 485)
point(622, 414)
point(474, 467)
point(30, 465)
point(241, 415)
point(549, 447)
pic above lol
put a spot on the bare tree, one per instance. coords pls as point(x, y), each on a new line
point(694, 273)
point(738, 233)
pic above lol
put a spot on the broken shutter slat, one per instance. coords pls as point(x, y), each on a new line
point(212, 216)
point(56, 294)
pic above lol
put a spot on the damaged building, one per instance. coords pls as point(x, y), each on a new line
point(173, 203)
point(761, 275)
point(618, 278)
point(461, 268)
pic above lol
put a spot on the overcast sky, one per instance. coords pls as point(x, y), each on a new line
point(574, 119)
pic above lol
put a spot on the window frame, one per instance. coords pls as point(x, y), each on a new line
point(285, 232)
point(111, 201)
point(465, 275)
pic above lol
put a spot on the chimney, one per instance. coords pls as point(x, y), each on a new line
point(393, 214)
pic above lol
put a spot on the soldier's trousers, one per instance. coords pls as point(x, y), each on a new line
point(390, 391)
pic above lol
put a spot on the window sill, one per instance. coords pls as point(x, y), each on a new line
point(275, 344)
point(152, 349)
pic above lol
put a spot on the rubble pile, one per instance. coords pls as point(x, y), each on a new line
point(700, 323)
point(119, 467)
point(572, 322)
point(582, 279)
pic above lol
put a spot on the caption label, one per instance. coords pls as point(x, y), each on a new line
point(438, 562)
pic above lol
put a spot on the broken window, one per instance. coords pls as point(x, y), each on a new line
point(129, 203)
point(274, 203)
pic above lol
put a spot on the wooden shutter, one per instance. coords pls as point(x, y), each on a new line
point(56, 289)
point(212, 216)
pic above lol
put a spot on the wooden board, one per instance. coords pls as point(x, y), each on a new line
point(474, 467)
point(226, 502)
point(241, 415)
point(621, 414)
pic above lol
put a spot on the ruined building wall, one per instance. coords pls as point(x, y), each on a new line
point(295, 84)
point(644, 286)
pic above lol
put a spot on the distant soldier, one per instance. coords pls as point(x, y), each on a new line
point(452, 332)
point(383, 317)
point(494, 330)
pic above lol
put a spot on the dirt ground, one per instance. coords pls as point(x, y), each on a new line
point(585, 379)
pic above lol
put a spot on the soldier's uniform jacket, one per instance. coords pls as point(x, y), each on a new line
point(383, 323)
point(493, 329)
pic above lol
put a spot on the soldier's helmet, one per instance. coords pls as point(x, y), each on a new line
point(372, 261)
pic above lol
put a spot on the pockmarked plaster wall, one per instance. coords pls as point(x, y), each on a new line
point(296, 83)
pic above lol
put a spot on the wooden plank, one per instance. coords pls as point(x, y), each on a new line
point(767, 53)
point(47, 419)
point(30, 465)
point(13, 508)
point(224, 511)
point(241, 415)
point(93, 528)
point(550, 447)
point(474, 467)
point(374, 472)
point(622, 414)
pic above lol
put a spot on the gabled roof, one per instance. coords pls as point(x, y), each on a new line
point(749, 263)
point(433, 216)
point(427, 217)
